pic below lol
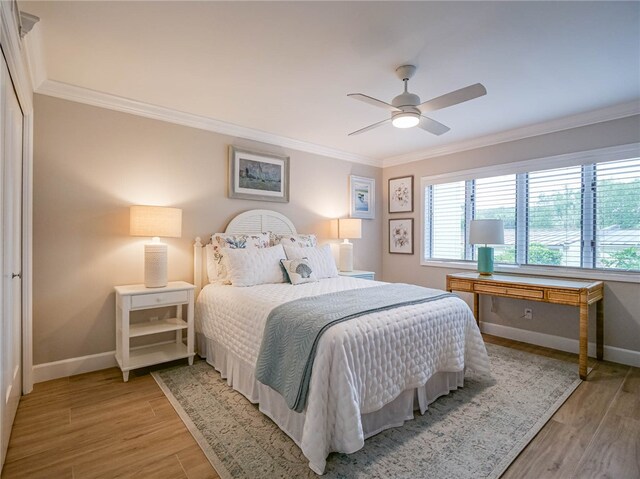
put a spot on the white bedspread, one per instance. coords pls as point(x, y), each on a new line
point(361, 364)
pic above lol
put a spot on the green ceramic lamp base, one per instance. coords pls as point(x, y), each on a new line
point(485, 260)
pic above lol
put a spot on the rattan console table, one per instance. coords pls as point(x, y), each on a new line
point(548, 290)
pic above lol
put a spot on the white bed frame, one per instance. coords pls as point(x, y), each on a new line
point(249, 222)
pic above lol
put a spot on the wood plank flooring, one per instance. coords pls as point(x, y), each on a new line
point(96, 426)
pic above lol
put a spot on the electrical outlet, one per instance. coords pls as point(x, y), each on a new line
point(528, 313)
point(153, 318)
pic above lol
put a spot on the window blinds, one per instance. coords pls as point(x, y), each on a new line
point(555, 217)
point(448, 224)
point(584, 216)
point(495, 198)
point(617, 224)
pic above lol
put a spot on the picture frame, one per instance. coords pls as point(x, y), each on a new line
point(258, 176)
point(401, 236)
point(401, 194)
point(362, 192)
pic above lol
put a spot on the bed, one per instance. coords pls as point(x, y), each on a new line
point(370, 373)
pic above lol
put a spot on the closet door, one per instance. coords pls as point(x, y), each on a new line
point(11, 245)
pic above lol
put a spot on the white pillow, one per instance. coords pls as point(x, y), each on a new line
point(294, 240)
point(222, 242)
point(299, 271)
point(320, 258)
point(251, 266)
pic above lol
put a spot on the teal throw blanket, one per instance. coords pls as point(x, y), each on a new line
point(293, 329)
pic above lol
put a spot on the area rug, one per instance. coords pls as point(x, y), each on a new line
point(474, 432)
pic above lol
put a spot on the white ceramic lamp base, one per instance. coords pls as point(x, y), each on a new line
point(155, 265)
point(346, 256)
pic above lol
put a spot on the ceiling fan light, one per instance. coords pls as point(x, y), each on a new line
point(405, 120)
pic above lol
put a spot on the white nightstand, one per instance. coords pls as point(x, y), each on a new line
point(137, 297)
point(358, 274)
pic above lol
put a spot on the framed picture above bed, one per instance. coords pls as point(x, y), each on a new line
point(401, 194)
point(258, 176)
point(401, 236)
point(362, 193)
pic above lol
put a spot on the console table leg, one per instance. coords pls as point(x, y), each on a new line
point(584, 331)
point(600, 330)
point(476, 307)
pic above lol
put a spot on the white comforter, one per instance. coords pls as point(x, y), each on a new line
point(361, 364)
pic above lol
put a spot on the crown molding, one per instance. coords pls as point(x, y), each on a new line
point(75, 93)
point(614, 112)
point(78, 94)
point(35, 58)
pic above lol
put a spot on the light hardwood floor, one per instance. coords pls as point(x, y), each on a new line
point(95, 426)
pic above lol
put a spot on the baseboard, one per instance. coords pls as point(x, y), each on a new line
point(617, 355)
point(95, 362)
point(71, 366)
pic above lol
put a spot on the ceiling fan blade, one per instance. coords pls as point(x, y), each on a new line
point(453, 98)
point(370, 127)
point(432, 126)
point(373, 101)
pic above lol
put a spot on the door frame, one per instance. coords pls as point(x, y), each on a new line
point(15, 55)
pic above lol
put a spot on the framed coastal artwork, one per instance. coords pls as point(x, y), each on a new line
point(401, 236)
point(258, 176)
point(401, 194)
point(363, 197)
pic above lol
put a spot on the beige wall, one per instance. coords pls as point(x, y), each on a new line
point(622, 300)
point(91, 164)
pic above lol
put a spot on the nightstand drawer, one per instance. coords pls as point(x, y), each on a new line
point(159, 299)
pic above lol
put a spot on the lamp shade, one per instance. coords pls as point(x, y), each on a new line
point(349, 228)
point(486, 232)
point(155, 221)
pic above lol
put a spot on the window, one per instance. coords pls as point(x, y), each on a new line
point(617, 221)
point(555, 217)
point(495, 198)
point(584, 216)
point(448, 200)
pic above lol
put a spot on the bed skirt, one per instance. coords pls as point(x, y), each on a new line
point(240, 376)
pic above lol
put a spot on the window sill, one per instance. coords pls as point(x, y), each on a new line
point(558, 272)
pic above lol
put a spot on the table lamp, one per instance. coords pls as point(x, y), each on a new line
point(348, 228)
point(155, 221)
point(486, 232)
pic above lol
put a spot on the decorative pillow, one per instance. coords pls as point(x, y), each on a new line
point(212, 265)
point(320, 259)
point(299, 271)
point(251, 266)
point(221, 241)
point(301, 241)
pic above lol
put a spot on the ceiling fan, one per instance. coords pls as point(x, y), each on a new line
point(407, 111)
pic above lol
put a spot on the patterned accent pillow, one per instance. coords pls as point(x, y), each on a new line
point(320, 258)
point(221, 241)
point(300, 241)
point(299, 271)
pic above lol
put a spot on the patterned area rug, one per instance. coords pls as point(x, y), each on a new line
point(474, 432)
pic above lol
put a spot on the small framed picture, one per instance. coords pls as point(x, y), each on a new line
point(401, 236)
point(401, 194)
point(258, 176)
point(363, 197)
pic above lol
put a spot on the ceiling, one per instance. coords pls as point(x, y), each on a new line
point(285, 68)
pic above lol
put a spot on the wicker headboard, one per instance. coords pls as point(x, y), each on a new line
point(249, 222)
